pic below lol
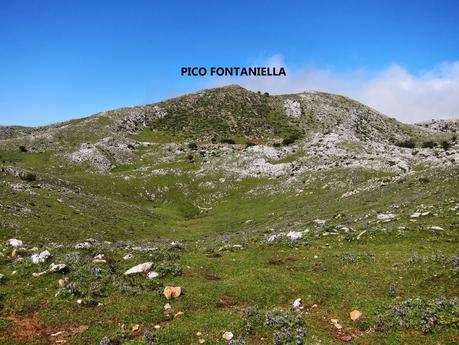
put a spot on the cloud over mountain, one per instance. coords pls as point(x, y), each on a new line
point(410, 97)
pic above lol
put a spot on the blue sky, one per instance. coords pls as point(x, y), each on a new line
point(66, 59)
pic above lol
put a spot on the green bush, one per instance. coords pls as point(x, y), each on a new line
point(407, 143)
point(429, 144)
point(227, 141)
point(29, 177)
point(445, 145)
point(193, 146)
point(289, 140)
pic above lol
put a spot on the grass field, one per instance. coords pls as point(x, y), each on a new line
point(401, 275)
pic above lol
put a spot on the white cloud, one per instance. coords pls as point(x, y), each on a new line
point(393, 91)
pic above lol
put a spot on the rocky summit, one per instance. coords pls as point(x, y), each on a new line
point(229, 216)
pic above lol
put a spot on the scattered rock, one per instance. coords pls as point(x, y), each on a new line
point(128, 257)
point(56, 334)
point(227, 336)
point(15, 243)
point(58, 268)
point(135, 328)
point(297, 304)
point(40, 258)
point(272, 238)
point(178, 314)
point(355, 315)
point(172, 292)
point(99, 258)
point(152, 275)
point(167, 308)
point(157, 327)
point(336, 323)
point(83, 245)
point(416, 215)
point(361, 234)
point(62, 282)
point(435, 227)
point(319, 222)
point(38, 274)
point(385, 217)
point(295, 235)
point(139, 268)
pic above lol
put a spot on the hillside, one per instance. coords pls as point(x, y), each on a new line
point(245, 200)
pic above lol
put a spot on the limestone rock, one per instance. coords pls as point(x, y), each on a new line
point(139, 268)
point(15, 243)
point(40, 258)
point(227, 336)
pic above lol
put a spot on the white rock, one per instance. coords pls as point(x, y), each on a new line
point(15, 243)
point(83, 245)
point(386, 217)
point(40, 258)
point(319, 222)
point(298, 303)
point(227, 336)
point(152, 275)
point(435, 227)
point(295, 235)
point(57, 267)
point(167, 307)
point(361, 234)
point(99, 261)
point(336, 323)
point(128, 257)
point(139, 268)
point(272, 238)
point(38, 274)
point(99, 258)
point(416, 215)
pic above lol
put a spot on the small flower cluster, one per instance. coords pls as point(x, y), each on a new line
point(287, 325)
point(425, 315)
